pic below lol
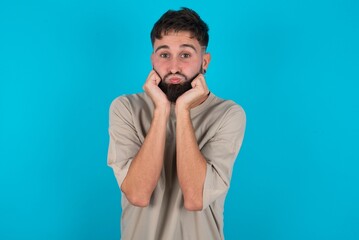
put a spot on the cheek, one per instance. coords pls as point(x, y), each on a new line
point(154, 61)
point(159, 67)
point(156, 65)
point(158, 62)
point(192, 66)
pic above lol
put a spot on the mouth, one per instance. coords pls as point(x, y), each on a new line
point(175, 79)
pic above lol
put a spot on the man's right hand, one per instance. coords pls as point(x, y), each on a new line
point(146, 167)
point(152, 89)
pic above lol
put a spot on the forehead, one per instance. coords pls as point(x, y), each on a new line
point(173, 40)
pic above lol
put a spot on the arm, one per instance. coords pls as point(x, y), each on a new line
point(204, 172)
point(145, 168)
point(191, 164)
point(221, 151)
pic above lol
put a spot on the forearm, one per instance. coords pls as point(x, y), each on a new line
point(145, 169)
point(191, 165)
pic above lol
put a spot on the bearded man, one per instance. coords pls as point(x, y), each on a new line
point(173, 146)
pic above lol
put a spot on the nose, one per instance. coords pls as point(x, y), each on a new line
point(174, 66)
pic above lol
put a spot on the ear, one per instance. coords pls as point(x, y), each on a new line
point(206, 60)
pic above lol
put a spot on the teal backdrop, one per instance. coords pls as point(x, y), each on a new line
point(292, 65)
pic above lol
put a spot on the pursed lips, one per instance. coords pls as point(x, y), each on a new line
point(175, 79)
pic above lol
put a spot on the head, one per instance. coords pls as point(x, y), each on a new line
point(179, 40)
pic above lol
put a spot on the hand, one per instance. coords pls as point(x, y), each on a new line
point(156, 94)
point(194, 96)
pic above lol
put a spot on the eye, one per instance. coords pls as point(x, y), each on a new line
point(164, 55)
point(185, 55)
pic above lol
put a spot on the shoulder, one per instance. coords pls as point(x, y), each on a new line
point(227, 108)
point(129, 102)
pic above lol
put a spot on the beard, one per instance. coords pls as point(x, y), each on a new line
point(174, 91)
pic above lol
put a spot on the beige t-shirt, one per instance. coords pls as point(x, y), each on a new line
point(219, 128)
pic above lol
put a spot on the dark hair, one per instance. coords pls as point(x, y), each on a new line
point(181, 20)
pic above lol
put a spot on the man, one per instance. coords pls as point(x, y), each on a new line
point(172, 148)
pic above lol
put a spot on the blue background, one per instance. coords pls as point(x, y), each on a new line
point(292, 65)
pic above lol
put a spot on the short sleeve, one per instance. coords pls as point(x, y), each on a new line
point(221, 152)
point(124, 142)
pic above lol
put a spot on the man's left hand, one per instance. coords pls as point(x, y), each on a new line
point(195, 96)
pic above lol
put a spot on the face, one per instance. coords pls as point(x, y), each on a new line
point(178, 59)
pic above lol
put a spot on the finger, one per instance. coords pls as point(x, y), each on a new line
point(149, 81)
point(199, 82)
point(196, 81)
point(204, 84)
point(149, 77)
point(156, 77)
point(202, 80)
point(200, 85)
point(150, 74)
point(153, 78)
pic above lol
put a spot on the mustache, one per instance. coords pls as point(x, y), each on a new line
point(167, 76)
point(180, 74)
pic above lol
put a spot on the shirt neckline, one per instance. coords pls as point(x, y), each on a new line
point(197, 110)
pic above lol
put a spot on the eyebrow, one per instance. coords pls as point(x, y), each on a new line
point(182, 46)
point(162, 47)
point(190, 46)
